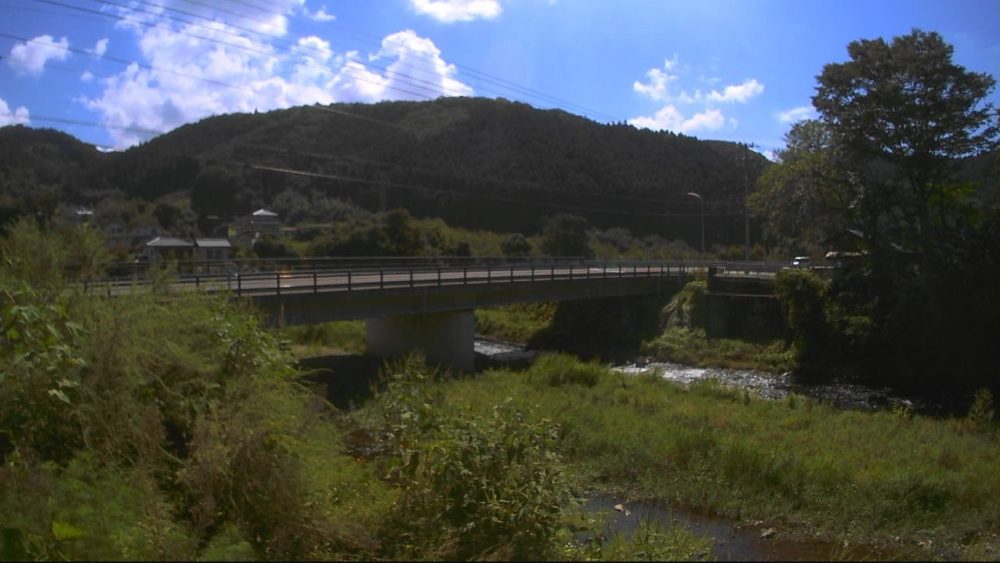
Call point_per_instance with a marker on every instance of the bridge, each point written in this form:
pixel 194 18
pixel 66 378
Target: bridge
pixel 426 303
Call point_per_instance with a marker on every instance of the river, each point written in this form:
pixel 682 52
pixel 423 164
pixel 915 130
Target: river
pixel 762 384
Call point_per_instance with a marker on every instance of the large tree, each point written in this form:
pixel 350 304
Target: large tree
pixel 887 159
pixel 802 199
pixel 904 115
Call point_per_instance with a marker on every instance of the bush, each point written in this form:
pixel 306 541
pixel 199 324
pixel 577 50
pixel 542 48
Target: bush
pixel 802 294
pixel 687 309
pixel 491 487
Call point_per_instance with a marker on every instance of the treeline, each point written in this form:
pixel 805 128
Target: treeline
pixel 476 163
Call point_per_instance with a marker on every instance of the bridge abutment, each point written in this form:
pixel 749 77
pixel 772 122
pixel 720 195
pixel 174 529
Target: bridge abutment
pixel 446 338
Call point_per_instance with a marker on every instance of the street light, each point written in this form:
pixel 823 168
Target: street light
pixel 702 206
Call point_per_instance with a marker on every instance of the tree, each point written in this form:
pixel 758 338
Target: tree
pixel 902 120
pixel 904 114
pixel 803 199
pixel 566 235
pixel 515 245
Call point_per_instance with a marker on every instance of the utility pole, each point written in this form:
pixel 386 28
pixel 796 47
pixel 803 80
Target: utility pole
pixel 702 208
pixel 746 208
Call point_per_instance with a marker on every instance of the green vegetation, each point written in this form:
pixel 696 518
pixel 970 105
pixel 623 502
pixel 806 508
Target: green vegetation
pixel 170 427
pixel 887 479
pixel 900 166
pixel 337 337
pixel 514 323
pixel 692 347
pixel 683 339
pixel 160 426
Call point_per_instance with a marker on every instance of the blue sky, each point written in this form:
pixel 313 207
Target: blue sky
pixel 117 72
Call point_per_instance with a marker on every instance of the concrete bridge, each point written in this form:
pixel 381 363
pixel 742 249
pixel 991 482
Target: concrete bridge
pixel 428 303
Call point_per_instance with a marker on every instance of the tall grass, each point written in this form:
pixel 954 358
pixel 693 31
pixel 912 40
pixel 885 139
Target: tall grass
pixel 514 323
pixel 691 346
pixel 798 465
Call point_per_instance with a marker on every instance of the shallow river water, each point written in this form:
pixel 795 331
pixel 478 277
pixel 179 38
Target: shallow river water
pixel 763 384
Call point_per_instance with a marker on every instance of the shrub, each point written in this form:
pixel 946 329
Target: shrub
pixel 802 294
pixel 651 541
pixel 490 487
pixel 687 309
pixel 981 411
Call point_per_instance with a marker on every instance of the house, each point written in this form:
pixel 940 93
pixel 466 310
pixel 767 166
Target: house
pixel 176 248
pixel 259 223
pixel 212 248
pixel 167 248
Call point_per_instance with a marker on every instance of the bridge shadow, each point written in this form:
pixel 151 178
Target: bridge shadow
pixel 348 381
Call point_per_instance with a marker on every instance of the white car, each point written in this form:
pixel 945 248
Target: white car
pixel 800 262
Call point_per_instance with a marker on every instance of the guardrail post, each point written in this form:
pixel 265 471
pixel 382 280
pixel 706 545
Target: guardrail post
pixel 349 280
pixel 489 274
pixel 465 275
pixel 439 276
pixel 381 278
pixel 197 282
pixel 411 276
pixel 315 290
pixel 571 272
pixel 239 285
pixel 512 274
pixel 277 282
pixel 532 272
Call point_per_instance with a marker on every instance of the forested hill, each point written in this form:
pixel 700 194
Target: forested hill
pixel 475 162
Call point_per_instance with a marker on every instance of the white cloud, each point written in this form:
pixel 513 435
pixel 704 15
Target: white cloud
pixel 796 114
pixel 450 11
pixel 319 15
pixel 267 18
pixel 662 85
pixel 669 118
pixel 418 70
pixel 738 93
pixel 30 57
pixel 87 76
pixel 659 81
pixel 185 77
pixel 101 47
pixel 18 116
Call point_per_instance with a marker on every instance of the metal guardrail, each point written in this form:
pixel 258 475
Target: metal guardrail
pixel 379 273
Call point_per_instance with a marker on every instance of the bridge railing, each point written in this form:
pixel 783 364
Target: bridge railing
pixel 338 275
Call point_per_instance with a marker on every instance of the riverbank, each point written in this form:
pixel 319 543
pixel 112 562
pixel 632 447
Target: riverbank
pixel 783 472
pixel 905 486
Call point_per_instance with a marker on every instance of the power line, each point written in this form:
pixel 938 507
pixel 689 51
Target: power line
pixel 466 178
pixel 218 41
pixel 397 185
pixel 397 77
pixel 434 87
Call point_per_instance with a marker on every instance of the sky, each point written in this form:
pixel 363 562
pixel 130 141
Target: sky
pixel 118 72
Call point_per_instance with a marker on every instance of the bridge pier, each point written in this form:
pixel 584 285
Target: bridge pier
pixel 446 338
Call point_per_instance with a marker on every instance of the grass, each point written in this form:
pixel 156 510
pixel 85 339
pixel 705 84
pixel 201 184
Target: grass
pixel 692 347
pixel 325 339
pixel 886 479
pixel 514 323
